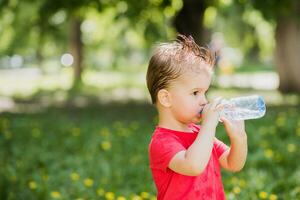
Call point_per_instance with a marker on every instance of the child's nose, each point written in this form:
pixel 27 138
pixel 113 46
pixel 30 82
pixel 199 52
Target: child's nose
pixel 203 101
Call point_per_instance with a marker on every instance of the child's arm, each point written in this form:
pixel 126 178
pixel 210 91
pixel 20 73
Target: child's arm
pixel 193 161
pixel 234 158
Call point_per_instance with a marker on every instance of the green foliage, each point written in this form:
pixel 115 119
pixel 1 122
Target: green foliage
pixel 120 33
pixel 276 9
pixel 121 30
pixel 100 152
pixel 250 32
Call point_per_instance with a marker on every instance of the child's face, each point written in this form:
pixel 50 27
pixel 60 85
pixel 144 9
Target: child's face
pixel 188 96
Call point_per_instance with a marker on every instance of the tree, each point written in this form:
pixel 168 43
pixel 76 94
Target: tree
pixel 286 15
pixel 38 28
pixel 75 11
pixel 189 20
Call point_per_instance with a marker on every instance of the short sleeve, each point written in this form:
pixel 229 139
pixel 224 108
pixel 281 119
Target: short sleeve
pixel 162 149
pixel 219 147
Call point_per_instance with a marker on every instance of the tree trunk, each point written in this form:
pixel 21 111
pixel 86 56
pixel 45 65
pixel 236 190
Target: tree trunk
pixel 287 57
pixel 189 20
pixel 76 49
pixel 39 49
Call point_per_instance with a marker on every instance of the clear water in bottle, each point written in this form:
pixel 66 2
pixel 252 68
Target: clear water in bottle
pixel 243 108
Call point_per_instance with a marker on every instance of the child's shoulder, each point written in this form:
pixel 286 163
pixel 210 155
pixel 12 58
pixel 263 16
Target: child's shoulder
pixel 161 133
pixel 164 142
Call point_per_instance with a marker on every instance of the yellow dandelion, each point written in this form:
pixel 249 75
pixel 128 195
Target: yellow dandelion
pixel 242 183
pixel 123 132
pixel 269 153
pixel 153 198
pixel 280 121
pixel 136 197
pixel 106 145
pixel 55 195
pixel 234 180
pixel 273 197
pixel 236 190
pixel 104 132
pixel 109 195
pixel 5 123
pixel 74 176
pixel 291 148
pixel 121 198
pixel 263 195
pixel 100 192
pixel 88 182
pixel 45 177
pixel 32 185
pixel 75 131
pixel 145 195
pixel 13 178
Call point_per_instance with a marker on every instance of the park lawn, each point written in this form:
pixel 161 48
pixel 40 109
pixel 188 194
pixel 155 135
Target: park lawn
pixel 100 152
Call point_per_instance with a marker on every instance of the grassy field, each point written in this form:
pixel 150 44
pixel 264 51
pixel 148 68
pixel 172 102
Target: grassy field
pixel 93 144
pixel 100 152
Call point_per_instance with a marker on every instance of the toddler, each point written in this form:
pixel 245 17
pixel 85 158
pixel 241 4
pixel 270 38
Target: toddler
pixel 185 158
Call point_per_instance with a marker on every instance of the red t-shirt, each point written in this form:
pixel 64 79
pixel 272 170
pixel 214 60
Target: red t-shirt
pixel 165 143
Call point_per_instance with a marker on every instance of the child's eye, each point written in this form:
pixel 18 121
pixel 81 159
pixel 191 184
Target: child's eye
pixel 195 93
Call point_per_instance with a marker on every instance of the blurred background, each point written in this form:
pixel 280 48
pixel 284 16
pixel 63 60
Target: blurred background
pixel 75 114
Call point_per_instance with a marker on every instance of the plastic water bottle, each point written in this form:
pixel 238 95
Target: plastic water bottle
pixel 243 108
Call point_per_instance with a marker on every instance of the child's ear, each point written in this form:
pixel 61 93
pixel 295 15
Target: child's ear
pixel 164 98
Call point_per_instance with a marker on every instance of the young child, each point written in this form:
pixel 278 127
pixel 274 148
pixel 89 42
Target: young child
pixel 185 158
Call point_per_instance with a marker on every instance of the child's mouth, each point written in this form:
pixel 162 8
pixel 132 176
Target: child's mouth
pixel 199 115
pixel 201 110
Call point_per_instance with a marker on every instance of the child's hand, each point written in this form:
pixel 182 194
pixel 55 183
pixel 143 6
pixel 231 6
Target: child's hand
pixel 211 112
pixel 234 129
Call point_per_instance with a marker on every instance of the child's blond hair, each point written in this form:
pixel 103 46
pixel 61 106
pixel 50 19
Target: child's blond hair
pixel 170 60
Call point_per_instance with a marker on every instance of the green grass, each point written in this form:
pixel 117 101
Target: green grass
pixel 100 152
pixel 106 144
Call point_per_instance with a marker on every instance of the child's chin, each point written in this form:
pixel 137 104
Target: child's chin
pixel 198 119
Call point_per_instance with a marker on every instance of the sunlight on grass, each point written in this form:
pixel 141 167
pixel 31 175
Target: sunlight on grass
pixel 25 82
pixel 114 85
